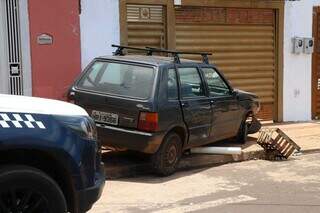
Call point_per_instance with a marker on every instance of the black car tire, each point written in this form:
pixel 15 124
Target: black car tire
pixel 243 131
pixel 26 189
pixel 166 159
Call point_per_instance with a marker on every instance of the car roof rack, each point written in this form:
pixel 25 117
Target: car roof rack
pixel 205 58
pixel 120 49
pixel 151 50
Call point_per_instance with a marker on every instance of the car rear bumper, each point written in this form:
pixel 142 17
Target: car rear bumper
pixel 87 197
pixel 129 139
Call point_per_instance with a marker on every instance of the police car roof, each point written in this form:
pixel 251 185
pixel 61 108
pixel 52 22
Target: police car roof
pixel 32 105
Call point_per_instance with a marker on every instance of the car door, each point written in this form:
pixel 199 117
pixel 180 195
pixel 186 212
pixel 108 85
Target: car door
pixel 226 110
pixel 195 104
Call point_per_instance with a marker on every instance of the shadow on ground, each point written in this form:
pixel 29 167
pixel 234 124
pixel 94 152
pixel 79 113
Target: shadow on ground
pixel 133 164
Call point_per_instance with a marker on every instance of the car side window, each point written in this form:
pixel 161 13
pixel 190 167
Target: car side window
pixel 191 83
pixel 172 85
pixel 216 85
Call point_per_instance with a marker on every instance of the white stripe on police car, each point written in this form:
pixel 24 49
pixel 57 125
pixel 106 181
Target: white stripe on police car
pixel 18 121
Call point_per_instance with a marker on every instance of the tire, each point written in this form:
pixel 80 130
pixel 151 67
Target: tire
pixel 243 131
pixel 166 159
pixel 26 189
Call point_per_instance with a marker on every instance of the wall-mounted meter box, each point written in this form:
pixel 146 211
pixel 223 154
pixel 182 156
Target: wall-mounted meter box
pixel 297 45
pixel 308 45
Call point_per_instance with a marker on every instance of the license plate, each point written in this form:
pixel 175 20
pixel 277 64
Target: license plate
pixel 105 117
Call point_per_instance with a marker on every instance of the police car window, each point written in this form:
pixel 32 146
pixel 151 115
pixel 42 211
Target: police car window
pixel 119 79
pixel 191 84
pixel 217 86
pixel 172 85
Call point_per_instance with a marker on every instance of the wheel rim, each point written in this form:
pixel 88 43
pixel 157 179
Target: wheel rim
pixel 172 154
pixel 23 200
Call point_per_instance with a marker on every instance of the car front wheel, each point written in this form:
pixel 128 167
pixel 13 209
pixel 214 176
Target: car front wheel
pixel 243 130
pixel 25 189
pixel 166 159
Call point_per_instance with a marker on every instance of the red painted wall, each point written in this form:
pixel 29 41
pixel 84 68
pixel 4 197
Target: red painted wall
pixel 54 67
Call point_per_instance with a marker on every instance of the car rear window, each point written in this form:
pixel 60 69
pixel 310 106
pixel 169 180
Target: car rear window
pixel 119 79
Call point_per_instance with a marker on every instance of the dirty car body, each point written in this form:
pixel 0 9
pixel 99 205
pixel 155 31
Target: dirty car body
pixel 163 105
pixel 137 100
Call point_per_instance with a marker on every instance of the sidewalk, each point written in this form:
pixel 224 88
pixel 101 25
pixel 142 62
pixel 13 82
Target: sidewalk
pixel 125 164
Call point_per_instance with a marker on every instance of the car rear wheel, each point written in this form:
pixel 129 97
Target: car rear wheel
pixel 25 189
pixel 166 159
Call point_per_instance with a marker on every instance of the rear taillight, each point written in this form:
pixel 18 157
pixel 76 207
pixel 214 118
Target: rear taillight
pixel 148 121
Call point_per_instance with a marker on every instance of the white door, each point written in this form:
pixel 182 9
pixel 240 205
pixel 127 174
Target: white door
pixel 10 40
pixel 4 76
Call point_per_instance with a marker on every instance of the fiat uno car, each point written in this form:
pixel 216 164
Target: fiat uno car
pixel 49 157
pixel 162 105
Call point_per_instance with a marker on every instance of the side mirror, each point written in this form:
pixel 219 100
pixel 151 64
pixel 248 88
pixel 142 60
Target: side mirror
pixel 234 93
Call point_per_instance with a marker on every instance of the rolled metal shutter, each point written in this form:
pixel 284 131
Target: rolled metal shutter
pixel 146 26
pixel 242 42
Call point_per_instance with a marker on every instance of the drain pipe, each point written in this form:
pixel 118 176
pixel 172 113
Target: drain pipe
pixel 217 150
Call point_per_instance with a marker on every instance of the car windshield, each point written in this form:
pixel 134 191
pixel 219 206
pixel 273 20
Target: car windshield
pixel 119 79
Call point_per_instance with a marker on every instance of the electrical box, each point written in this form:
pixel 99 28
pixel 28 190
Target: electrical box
pixel 298 45
pixel 308 45
pixel 177 2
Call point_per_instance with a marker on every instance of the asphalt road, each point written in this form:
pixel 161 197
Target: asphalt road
pixel 254 186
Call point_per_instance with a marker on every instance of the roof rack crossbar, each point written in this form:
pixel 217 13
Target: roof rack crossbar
pixel 151 50
pixel 205 58
pixel 120 49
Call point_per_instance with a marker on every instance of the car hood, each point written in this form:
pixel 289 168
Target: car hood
pixel 24 104
pixel 246 95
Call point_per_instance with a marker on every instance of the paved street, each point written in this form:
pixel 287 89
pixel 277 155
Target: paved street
pixel 253 186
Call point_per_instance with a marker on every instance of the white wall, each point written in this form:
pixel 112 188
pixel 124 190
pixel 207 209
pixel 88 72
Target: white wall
pixel 25 47
pixel 297 68
pixel 99 22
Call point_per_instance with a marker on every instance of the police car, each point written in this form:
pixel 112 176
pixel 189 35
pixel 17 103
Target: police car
pixel 49 156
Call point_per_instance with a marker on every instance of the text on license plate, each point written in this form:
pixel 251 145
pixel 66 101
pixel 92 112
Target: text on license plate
pixel 105 117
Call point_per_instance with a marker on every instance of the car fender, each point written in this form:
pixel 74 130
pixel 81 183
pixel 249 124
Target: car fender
pixel 182 126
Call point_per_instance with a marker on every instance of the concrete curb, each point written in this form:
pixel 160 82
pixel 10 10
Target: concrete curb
pixel 310 151
pixel 199 160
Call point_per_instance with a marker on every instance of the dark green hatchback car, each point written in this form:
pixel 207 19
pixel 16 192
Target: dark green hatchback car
pixel 163 105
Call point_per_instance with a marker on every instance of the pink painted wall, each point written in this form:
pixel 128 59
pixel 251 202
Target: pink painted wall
pixel 54 67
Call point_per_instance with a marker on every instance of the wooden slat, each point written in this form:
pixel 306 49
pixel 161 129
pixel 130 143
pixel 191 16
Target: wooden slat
pixel 282 146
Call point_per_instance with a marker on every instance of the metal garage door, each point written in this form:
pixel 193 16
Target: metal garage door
pixel 146 25
pixel 242 42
